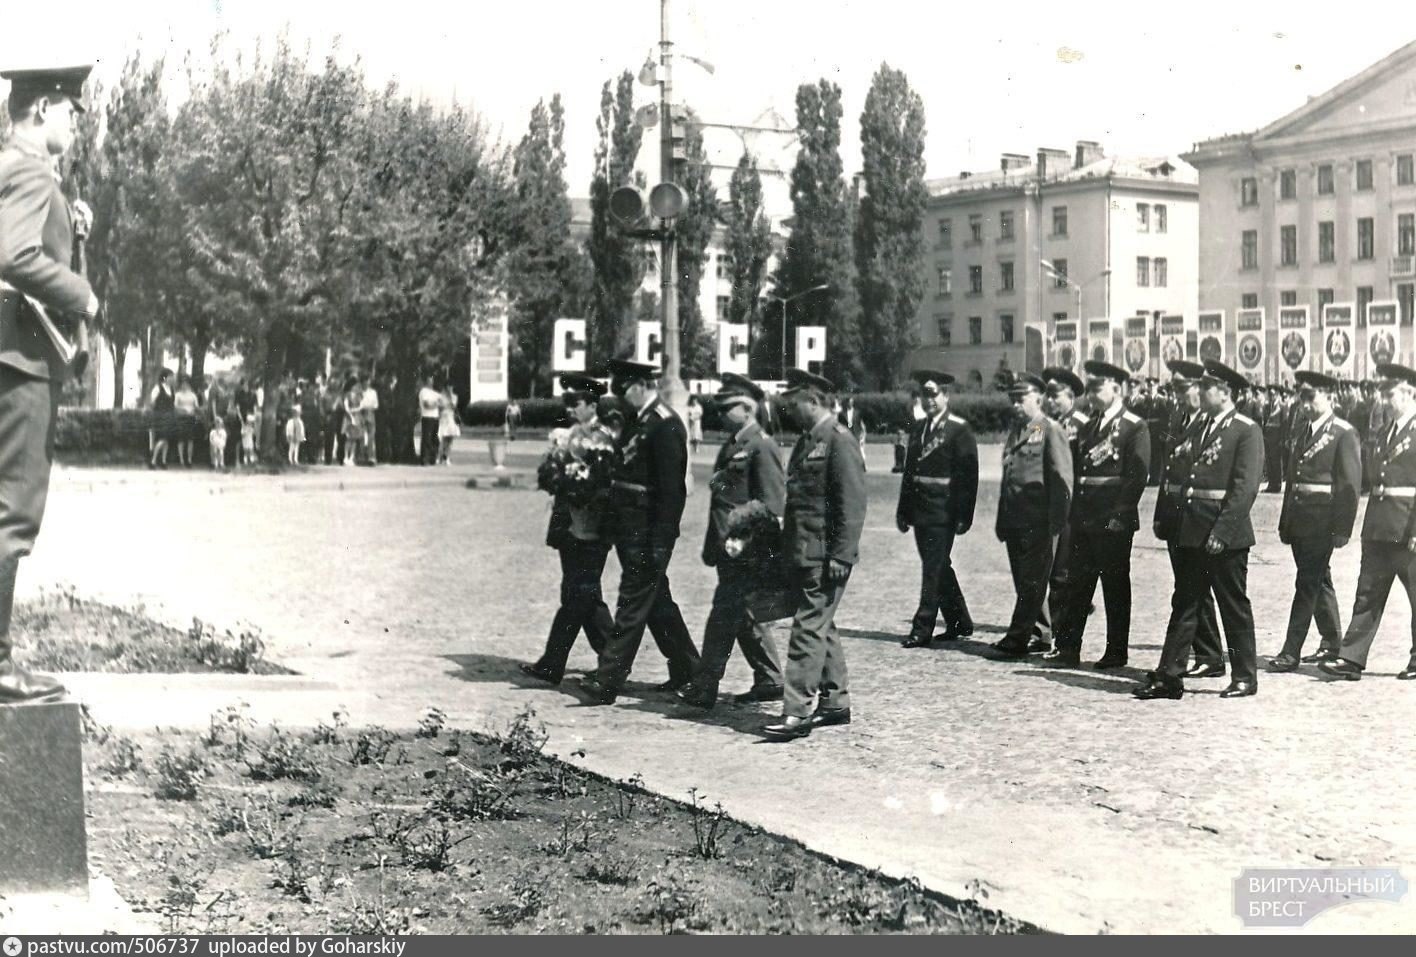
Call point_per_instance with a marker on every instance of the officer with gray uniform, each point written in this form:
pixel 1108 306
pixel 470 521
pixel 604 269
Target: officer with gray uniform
pixel 1065 394
pixel 825 514
pixel 37 230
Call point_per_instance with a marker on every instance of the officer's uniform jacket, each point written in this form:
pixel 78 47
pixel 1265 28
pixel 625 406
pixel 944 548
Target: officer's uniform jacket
pixel 649 490
pixel 1391 507
pixel 1112 466
pixel 581 523
pixel 1214 492
pixel 825 509
pixel 748 469
pixel 36 249
pixel 1324 479
pixel 939 486
pixel 1036 491
pixel 1072 425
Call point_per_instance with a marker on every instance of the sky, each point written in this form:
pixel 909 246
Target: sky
pixel 1143 79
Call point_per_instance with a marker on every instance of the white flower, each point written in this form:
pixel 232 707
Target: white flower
pixel 734 547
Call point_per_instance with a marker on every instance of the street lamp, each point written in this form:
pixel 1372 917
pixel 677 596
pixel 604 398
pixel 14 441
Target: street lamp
pixel 784 302
pixel 1051 269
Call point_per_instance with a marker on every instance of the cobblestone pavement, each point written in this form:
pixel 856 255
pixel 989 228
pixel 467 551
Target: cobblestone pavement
pixel 1071 804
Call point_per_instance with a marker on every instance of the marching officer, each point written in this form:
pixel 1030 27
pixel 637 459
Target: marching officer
pixel 1275 432
pixel 1112 459
pixel 1033 501
pixel 1388 530
pixel 577 533
pixel 1208 523
pixel 1319 509
pixel 647 498
pixel 937 495
pixel 748 469
pixel 1065 395
pixel 825 514
pixel 37 228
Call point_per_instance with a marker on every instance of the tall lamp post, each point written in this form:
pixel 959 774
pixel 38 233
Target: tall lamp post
pixel 785 302
pixel 1052 270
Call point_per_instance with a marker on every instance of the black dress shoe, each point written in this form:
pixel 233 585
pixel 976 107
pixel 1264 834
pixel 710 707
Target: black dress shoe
pixel 1039 646
pixel 1240 689
pixel 956 632
pixel 673 685
pixel 1201 670
pixel 1003 649
pixel 1158 688
pixel 1063 658
pixel 540 673
pixel 596 691
pixel 917 641
pixel 1408 673
pixel 788 729
pixel 1341 668
pixel 825 718
pixel 1319 656
pixel 1283 663
pixel 1110 660
pixel 704 698
pixel 759 693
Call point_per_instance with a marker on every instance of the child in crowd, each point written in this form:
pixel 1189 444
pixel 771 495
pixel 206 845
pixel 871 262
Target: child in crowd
pixel 294 435
pixel 248 440
pixel 217 438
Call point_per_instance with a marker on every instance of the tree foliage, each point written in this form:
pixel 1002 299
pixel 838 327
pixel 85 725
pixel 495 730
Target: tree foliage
pixel 748 244
pixel 619 262
pixel 695 227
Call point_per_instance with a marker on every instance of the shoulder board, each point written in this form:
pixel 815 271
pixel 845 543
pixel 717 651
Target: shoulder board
pixel 1081 418
pixel 1340 423
pixel 956 420
pixel 841 429
pixel 1243 419
pixel 663 411
pixel 1130 416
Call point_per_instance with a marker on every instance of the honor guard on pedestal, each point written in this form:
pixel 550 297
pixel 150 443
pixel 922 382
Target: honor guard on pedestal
pixel 1112 466
pixel 647 498
pixel 38 291
pixel 1207 520
pixel 1065 393
pixel 821 538
pixel 748 469
pixel 1033 500
pixel 1319 509
pixel 1388 530
pixel 937 495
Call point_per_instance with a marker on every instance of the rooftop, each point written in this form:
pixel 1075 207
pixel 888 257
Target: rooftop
pixel 1167 169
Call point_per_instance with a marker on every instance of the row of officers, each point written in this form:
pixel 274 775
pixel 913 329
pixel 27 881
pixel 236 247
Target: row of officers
pixel 1075 466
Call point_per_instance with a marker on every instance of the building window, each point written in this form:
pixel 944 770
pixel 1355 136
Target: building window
pixel 1405 175
pixel 1005 327
pixel 1288 245
pixel 1250 300
pixel 724 304
pixel 1365 238
pixel 1406 301
pixel 725 266
pixel 1005 225
pixel 1162 272
pixel 975 280
pixel 1325 298
pixel 946 232
pixel 1248 191
pixel 1143 271
pixel 1364 174
pixel 1327 251
pixel 946 281
pixel 1059 220
pixel 1160 218
pixel 1059 317
pixel 1059 279
pixel 1006 276
pixel 1249 248
pixel 1325 179
pixel 1288 297
pixel 976 228
pixel 975 330
pixel 1364 299
pixel 1288 184
pixel 1143 217
pixel 946 329
pixel 1406 234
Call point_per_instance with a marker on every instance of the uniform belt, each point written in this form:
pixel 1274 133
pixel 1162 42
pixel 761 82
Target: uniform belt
pixel 1394 491
pixel 1172 489
pixel 1101 480
pixel 931 480
pixel 629 486
pixel 1213 494
pixel 1311 487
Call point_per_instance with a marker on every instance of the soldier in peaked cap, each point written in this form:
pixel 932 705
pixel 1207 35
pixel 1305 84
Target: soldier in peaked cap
pixel 1212 534
pixel 1112 466
pixel 1388 530
pixel 577 532
pixel 825 514
pixel 938 491
pixel 1033 501
pixel 1319 509
pixel 748 469
pixel 647 498
pixel 37 229
pixel 1066 392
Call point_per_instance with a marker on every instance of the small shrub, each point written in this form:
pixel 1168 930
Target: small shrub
pixel 619 871
pixel 432 723
pixel 424 841
pixel 576 834
pixel 282 757
pixel 671 905
pixel 525 899
pixel 370 916
pixel 332 732
pixel 523 741
pixel 122 757
pixel 178 775
pixel 709 826
pixel 322 793
pixel 627 795
pixel 371 746
pixel 225 652
pixel 229 725
pixel 467 794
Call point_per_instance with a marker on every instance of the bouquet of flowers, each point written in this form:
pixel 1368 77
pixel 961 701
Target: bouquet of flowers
pixel 577 467
pixel 754 536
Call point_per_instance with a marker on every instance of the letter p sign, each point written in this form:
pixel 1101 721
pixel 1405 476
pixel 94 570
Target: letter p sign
pixel 810 347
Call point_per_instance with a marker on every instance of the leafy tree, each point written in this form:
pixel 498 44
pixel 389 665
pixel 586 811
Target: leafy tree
pixel 889 241
pixel 748 244
pixel 619 263
pixel 694 227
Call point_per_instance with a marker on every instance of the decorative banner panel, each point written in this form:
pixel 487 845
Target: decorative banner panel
pixel 1293 337
pixel 568 346
pixel 649 343
pixel 810 347
pixel 1172 338
pixel 732 348
pixel 1135 345
pixel 1339 339
pixel 1099 340
pixel 1066 347
pixel 488 380
pixel 1209 344
pixel 1383 334
pixel 1035 347
pixel 1249 343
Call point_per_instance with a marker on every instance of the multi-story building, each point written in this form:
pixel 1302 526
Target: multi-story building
pixel 1058 237
pixel 1317 208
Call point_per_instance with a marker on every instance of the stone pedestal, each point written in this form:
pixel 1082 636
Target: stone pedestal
pixel 43 841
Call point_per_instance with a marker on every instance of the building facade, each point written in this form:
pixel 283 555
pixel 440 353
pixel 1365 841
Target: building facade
pixel 1316 209
pixel 1052 238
